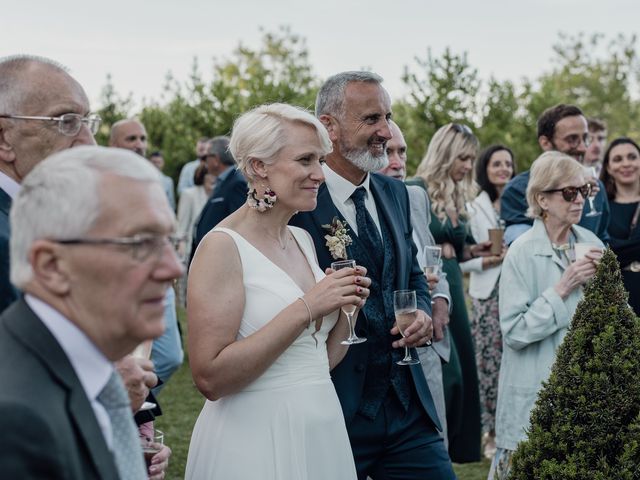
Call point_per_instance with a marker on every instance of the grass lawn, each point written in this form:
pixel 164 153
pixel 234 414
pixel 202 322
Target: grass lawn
pixel 181 404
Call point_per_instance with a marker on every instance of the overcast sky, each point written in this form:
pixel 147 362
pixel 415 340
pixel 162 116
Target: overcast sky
pixel 139 42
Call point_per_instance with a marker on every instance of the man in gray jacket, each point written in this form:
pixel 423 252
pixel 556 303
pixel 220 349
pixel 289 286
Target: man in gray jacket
pixel 433 357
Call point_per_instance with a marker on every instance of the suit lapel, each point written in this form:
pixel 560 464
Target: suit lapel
pixel 323 214
pixel 29 330
pixel 387 204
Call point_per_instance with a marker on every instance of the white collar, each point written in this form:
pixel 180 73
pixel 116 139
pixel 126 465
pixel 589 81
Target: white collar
pixel 9 185
pixel 91 366
pixel 340 188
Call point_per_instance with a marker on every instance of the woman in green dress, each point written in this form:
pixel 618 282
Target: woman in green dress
pixel 446 172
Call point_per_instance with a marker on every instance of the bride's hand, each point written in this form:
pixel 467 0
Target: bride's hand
pixel 343 287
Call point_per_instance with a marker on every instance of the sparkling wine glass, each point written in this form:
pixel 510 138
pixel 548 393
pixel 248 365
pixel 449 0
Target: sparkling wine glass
pixel 405 308
pixel 590 172
pixel 348 310
pixel 431 257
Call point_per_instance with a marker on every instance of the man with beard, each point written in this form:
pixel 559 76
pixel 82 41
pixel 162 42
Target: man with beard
pixel 562 128
pixel 389 412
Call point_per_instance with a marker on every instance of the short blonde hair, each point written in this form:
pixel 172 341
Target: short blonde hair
pixel 448 143
pixel 548 172
pixel 259 134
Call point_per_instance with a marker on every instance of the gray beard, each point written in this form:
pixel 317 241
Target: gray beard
pixel 364 160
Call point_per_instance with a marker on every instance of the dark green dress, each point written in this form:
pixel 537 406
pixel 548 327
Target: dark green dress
pixel 460 374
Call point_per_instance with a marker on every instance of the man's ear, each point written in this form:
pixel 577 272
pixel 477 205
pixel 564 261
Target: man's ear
pixel 7 153
pixel 49 267
pixel 545 143
pixel 331 125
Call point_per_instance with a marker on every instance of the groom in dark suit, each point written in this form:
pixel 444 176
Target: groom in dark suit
pixel 390 416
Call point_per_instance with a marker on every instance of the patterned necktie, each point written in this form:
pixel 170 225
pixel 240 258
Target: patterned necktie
pixel 367 231
pixel 126 444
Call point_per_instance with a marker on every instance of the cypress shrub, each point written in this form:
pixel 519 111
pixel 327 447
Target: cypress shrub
pixel 586 421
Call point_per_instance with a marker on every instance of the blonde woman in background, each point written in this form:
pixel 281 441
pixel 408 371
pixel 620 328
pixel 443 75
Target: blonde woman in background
pixel 446 173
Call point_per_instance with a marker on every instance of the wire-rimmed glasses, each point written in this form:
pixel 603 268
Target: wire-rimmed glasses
pixel 69 124
pixel 142 246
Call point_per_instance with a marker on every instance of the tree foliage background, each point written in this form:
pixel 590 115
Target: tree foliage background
pixel 600 75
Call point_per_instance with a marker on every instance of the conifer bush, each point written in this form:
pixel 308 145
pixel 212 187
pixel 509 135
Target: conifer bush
pixel 586 421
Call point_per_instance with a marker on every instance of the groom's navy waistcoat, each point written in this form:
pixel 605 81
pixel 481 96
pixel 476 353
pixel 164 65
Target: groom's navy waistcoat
pixel 351 377
pixel 382 371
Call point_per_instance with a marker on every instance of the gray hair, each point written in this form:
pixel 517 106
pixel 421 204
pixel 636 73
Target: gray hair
pixel 259 134
pixel 14 83
pixel 330 99
pixel 60 199
pixel 549 171
pixel 219 146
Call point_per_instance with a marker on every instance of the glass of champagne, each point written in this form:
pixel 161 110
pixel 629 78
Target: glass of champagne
pixel 591 173
pixel 348 310
pixel 151 445
pixel 431 260
pixel 405 308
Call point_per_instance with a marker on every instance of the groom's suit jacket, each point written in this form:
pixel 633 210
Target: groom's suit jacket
pixel 393 201
pixel 49 429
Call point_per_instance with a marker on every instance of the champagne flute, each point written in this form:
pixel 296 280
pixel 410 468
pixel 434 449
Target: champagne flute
pixel 405 308
pixel 348 310
pixel 431 256
pixel 593 211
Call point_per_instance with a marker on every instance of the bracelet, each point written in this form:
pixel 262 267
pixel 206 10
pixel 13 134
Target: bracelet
pixel 308 310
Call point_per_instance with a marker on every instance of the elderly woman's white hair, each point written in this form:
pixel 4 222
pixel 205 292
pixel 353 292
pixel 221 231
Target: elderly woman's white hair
pixel 259 134
pixel 60 198
pixel 549 171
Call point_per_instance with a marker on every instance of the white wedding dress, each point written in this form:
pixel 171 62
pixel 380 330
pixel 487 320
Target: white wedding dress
pixel 287 424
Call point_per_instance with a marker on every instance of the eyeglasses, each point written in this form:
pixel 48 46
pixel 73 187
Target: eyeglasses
pixel 570 193
pixel 69 124
pixel 574 140
pixel 142 246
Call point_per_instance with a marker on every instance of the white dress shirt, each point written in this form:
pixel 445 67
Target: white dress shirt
pixel 91 366
pixel 341 190
pixel 9 185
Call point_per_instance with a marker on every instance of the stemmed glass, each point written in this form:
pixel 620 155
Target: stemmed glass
pixel 348 310
pixel 405 307
pixel 431 257
pixel 593 211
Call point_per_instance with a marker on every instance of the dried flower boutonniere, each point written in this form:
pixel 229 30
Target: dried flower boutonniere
pixel 338 239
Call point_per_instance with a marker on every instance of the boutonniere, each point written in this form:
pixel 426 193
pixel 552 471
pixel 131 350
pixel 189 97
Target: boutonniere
pixel 337 239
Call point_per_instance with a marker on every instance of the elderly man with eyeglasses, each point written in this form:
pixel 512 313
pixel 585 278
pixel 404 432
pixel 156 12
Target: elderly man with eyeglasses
pixel 562 128
pixel 94 284
pixel 43 110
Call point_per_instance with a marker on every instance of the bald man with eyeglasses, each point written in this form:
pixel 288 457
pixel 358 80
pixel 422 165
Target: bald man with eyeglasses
pixel 42 110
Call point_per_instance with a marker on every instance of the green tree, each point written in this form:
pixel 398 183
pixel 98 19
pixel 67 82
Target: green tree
pixel 277 71
pixel 113 108
pixel 586 421
pixel 442 90
pixel 597 75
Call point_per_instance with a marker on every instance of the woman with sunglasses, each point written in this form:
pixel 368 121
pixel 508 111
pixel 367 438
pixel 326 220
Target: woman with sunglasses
pixel 446 172
pixel 540 287
pixel 621 177
pixel 494 168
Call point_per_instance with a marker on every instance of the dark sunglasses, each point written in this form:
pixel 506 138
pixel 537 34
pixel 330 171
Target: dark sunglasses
pixel 570 193
pixel 460 128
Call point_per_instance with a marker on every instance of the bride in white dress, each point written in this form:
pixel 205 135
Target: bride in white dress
pixel 264 321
